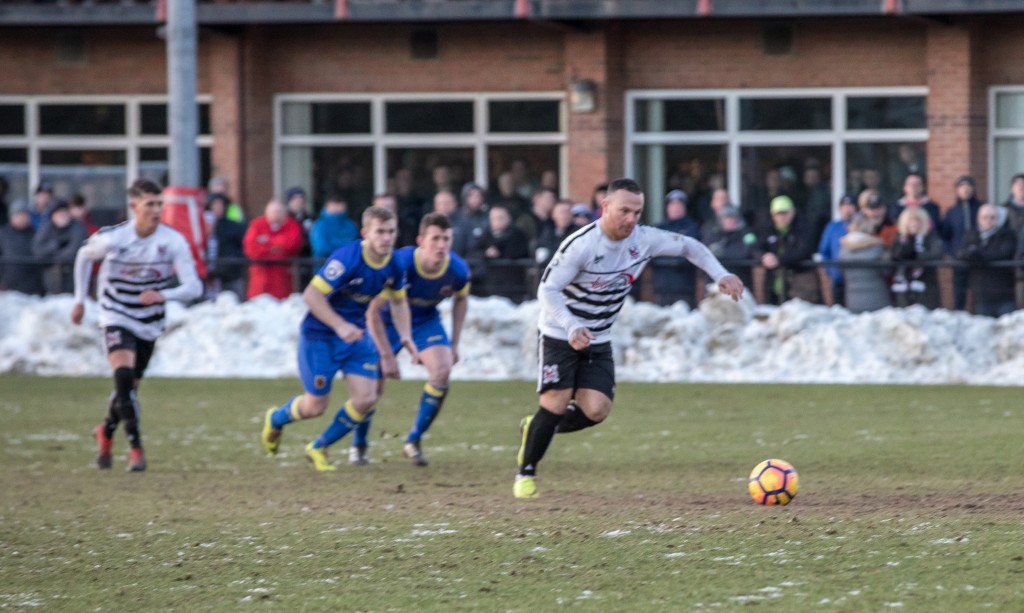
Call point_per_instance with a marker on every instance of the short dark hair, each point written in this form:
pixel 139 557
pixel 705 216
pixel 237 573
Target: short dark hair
pixel 143 187
pixel 625 183
pixel 1019 175
pixel 439 220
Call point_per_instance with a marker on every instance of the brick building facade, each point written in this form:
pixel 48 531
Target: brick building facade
pixel 256 72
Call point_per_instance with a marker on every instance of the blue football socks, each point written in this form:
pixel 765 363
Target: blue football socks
pixel 361 435
pixel 286 414
pixel 344 422
pixel 430 406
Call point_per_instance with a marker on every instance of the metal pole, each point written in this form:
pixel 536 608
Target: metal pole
pixel 182 110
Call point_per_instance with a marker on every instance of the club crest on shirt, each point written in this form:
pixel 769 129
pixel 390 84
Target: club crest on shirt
pixel 549 373
pixel 334 270
pixel 445 291
pixel 161 250
pixel 634 252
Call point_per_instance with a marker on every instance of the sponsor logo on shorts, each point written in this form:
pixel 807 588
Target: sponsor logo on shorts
pixel 113 338
pixel 549 373
pixel 319 382
pixel 370 367
pixel 334 270
pixel 436 337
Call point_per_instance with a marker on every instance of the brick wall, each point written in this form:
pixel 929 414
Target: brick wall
pixel 243 68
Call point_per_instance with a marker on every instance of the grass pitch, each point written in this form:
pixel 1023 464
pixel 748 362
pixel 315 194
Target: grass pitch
pixel 911 497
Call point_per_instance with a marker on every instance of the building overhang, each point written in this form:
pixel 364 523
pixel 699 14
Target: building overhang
pixel 116 12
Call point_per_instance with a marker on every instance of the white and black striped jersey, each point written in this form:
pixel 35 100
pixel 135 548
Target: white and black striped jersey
pixel 587 281
pixel 131 265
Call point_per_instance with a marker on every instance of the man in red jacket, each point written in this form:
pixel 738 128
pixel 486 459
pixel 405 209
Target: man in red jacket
pixel 274 236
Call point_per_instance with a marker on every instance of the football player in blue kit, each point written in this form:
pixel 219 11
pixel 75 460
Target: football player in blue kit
pixel 333 336
pixel 433 273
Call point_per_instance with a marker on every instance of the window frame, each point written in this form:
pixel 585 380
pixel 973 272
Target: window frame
pixel 130 142
pixel 999 193
pixel 381 141
pixel 735 139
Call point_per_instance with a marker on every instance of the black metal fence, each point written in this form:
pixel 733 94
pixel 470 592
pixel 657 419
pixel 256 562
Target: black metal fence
pixel 513 279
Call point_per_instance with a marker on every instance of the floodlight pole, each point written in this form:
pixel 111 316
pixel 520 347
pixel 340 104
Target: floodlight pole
pixel 182 110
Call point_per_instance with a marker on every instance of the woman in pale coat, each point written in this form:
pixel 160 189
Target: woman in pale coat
pixel 866 287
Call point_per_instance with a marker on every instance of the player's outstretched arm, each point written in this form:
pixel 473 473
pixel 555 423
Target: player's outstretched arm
pixel 378 332
pixel 460 305
pixel 318 305
pixel 93 249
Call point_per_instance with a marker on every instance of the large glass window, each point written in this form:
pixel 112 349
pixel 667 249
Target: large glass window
pixel 12 119
pixel 696 169
pixel 785 113
pixel 812 144
pixel 680 115
pixel 325 118
pixel 82 119
pixel 89 145
pixel 412 147
pixel 1007 139
pixel 14 169
pixel 885 112
pixel 328 171
pixel 428 117
pixel 523 116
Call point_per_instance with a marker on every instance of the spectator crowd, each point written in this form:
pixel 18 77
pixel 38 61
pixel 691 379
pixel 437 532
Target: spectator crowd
pixel 879 250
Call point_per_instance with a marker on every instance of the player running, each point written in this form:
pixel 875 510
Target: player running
pixel 333 336
pixel 140 258
pixel 432 274
pixel 581 292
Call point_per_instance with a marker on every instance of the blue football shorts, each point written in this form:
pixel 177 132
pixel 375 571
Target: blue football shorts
pixel 320 358
pixel 426 334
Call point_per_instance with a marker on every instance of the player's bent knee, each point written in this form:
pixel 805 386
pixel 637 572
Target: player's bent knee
pixel 313 406
pixel 439 378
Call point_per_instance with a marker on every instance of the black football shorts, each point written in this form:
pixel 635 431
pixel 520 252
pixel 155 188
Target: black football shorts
pixel 116 337
pixel 562 367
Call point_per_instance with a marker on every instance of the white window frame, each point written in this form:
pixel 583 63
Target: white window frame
pixel 995 133
pixel 478 140
pixel 130 141
pixel 735 139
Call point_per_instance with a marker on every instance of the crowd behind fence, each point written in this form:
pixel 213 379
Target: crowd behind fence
pixel 528 272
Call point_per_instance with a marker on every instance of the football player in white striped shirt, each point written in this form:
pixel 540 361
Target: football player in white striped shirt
pixel 140 259
pixel 581 292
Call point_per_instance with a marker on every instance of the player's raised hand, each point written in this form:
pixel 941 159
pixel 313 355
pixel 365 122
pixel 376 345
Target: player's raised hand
pixel 731 286
pixel 77 312
pixel 349 333
pixel 580 338
pixel 151 296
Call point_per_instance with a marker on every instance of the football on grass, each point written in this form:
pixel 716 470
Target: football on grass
pixel 773 482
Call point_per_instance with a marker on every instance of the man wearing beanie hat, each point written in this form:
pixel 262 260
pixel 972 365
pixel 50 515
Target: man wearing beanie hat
pixel 675 278
pixel 783 249
pixel 56 242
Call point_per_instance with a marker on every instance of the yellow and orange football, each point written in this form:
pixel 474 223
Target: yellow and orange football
pixel 773 482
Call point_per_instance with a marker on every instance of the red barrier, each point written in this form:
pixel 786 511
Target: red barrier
pixel 183 211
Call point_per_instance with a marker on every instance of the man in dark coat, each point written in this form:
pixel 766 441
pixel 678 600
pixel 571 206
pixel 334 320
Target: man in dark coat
pixel 783 249
pixel 675 279
pixel 16 243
